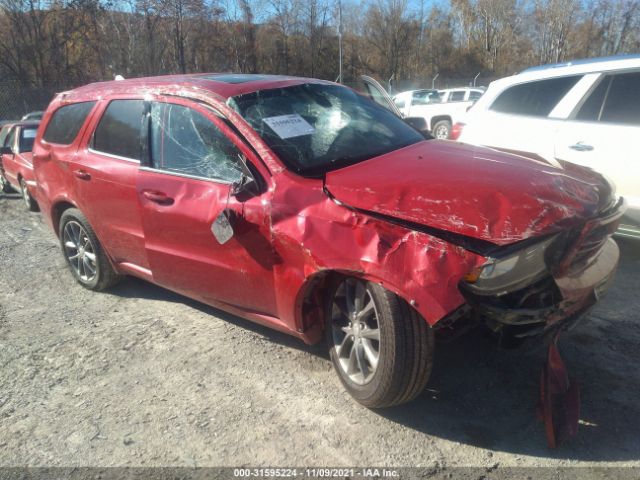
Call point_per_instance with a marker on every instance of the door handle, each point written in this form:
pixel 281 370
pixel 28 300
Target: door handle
pixel 157 197
pixel 581 147
pixel 82 175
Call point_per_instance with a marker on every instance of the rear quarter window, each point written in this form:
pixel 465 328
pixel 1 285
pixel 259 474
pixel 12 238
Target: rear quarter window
pixel 66 122
pixel 537 98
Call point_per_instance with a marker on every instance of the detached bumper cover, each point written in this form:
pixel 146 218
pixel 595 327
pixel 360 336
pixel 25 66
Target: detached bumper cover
pixel 583 275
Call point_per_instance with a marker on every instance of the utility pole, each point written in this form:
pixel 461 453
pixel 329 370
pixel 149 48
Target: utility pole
pixel 339 41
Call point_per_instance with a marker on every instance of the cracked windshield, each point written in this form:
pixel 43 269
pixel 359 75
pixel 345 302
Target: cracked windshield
pixel 315 128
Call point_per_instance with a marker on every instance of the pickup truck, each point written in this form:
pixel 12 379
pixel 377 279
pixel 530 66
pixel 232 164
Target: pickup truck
pixel 440 108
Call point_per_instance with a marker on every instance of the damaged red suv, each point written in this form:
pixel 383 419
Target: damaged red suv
pixel 307 207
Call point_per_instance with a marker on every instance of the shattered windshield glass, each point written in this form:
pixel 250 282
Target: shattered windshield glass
pixel 315 128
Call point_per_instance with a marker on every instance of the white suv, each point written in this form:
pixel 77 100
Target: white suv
pixel 586 112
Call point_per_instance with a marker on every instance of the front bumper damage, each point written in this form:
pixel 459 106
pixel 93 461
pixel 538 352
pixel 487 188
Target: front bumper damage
pixel 551 304
pixel 580 271
pixel 581 274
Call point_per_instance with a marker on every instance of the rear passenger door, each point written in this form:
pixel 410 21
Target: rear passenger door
pixel 184 187
pixel 105 180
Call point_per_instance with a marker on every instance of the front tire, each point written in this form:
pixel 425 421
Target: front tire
pixel 29 201
pixel 84 255
pixel 380 347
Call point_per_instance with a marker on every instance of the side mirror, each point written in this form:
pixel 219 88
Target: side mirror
pixel 247 183
pixel 6 151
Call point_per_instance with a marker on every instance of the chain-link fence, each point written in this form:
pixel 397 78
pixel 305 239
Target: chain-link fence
pixel 17 99
pixel 438 83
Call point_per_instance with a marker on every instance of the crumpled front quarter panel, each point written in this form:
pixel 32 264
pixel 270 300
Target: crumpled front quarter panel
pixel 311 234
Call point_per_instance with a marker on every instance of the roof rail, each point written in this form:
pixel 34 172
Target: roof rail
pixel 584 61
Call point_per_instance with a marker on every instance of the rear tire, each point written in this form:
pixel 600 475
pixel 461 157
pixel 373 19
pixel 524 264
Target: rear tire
pixel 381 348
pixel 29 201
pixel 442 129
pixel 83 252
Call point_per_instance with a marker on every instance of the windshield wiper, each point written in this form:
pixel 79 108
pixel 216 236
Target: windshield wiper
pixel 333 164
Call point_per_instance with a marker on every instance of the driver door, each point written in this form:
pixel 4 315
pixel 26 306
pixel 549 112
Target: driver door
pixel 183 189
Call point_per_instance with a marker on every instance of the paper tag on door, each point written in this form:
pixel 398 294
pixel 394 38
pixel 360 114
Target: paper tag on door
pixel 289 126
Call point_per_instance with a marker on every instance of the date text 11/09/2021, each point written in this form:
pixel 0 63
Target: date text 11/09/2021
pixel 315 472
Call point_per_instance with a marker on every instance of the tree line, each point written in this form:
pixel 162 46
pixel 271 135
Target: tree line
pixel 66 43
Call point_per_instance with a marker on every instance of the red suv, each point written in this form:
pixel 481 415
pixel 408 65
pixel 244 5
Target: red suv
pixel 307 207
pixel 16 166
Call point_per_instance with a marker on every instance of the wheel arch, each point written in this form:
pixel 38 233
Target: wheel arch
pixel 309 303
pixel 57 209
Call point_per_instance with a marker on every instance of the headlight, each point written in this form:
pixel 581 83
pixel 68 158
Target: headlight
pixel 506 274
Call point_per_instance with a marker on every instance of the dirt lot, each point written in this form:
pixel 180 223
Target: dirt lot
pixel 142 376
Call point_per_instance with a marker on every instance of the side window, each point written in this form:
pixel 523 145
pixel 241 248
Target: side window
pixel 419 98
pixel 185 141
pixel 399 102
pixel 120 129
pixel 27 136
pixel 10 141
pixel 473 96
pixel 590 110
pixel 622 103
pixel 534 98
pixel 66 122
pixel 425 97
pixel 457 96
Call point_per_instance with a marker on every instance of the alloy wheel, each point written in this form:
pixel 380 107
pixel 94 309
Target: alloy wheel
pixel 79 251
pixel 25 194
pixel 442 132
pixel 355 331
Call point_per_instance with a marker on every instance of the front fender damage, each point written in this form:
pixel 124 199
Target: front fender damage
pixel 314 236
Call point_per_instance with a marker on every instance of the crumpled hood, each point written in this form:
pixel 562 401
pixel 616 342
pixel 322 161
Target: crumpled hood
pixel 472 191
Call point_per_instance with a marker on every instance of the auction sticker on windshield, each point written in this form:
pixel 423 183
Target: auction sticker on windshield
pixel 289 126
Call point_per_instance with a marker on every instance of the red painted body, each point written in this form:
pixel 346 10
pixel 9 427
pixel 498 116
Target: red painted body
pixel 158 227
pixel 19 165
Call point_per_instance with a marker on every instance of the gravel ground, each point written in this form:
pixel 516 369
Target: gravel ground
pixel 140 376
